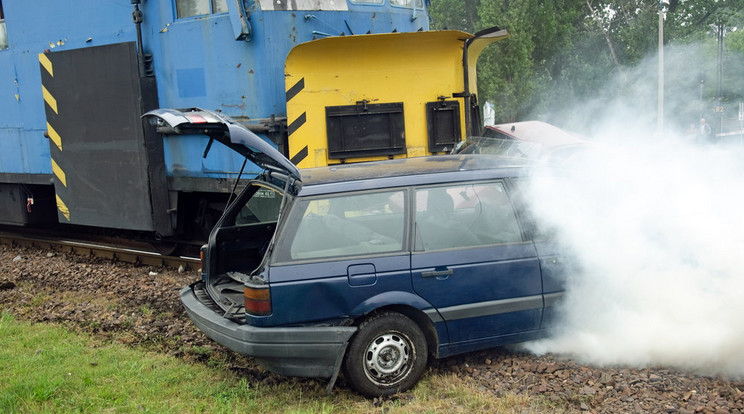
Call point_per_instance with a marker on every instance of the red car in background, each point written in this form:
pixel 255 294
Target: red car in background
pixel 535 140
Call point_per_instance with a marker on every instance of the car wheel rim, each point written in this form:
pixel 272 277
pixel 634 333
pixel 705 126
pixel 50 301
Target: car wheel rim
pixel 386 358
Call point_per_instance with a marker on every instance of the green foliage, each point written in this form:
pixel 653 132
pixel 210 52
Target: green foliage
pixel 454 15
pixel 516 72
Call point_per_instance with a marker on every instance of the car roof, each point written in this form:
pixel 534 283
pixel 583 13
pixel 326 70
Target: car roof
pixel 408 171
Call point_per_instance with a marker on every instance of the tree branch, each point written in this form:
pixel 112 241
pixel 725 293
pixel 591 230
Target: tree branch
pixel 606 36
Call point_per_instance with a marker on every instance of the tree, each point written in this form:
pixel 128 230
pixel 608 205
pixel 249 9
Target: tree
pixel 581 51
pixel 517 72
pixel 455 15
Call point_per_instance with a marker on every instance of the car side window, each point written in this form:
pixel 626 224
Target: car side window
pixel 464 215
pixel 536 229
pixel 355 224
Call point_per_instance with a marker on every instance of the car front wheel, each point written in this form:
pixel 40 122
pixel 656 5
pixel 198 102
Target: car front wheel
pixel 387 355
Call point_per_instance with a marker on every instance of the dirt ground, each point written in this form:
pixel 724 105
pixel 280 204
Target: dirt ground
pixel 139 305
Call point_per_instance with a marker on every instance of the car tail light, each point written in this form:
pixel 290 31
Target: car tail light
pixel 257 300
pixel 202 258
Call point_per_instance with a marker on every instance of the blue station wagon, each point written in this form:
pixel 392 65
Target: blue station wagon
pixel 369 269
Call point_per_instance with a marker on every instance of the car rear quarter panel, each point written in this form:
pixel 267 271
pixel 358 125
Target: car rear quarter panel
pixel 322 292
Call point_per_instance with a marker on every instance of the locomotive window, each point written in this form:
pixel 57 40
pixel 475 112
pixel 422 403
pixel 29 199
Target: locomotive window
pixel 219 6
pixel 190 8
pixel 367 1
pixel 3 33
pixel 408 3
pixel 365 130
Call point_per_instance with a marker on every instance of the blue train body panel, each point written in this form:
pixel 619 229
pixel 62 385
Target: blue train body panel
pixel 33 27
pixel 231 59
pixel 197 62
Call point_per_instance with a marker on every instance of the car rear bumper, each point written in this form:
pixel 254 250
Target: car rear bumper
pixel 292 351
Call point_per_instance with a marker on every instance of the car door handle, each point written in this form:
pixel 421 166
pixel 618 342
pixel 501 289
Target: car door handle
pixel 443 274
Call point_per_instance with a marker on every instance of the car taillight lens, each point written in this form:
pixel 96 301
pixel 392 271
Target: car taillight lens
pixel 257 300
pixel 202 258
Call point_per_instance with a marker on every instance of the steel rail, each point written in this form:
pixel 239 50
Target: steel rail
pixel 114 253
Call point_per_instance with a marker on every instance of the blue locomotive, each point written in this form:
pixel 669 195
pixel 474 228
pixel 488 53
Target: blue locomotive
pixel 77 77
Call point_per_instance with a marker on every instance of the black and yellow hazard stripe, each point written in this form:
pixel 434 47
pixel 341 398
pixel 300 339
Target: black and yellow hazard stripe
pixel 296 123
pixel 47 70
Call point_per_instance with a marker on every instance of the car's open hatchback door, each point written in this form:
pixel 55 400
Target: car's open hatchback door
pixel 241 240
pixel 223 129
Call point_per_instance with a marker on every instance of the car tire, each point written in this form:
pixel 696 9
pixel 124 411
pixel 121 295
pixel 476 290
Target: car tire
pixel 387 355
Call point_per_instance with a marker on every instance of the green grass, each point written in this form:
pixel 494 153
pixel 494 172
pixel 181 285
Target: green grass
pixel 48 369
pixel 45 368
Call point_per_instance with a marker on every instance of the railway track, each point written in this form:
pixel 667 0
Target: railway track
pixel 126 254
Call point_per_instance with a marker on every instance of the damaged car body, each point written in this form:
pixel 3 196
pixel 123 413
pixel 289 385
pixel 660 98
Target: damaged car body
pixel 368 269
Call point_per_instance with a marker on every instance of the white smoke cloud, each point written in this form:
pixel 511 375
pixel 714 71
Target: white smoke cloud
pixel 657 224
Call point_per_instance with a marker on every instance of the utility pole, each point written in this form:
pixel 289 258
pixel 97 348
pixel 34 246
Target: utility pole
pixel 719 81
pixel 700 103
pixel 720 27
pixel 660 105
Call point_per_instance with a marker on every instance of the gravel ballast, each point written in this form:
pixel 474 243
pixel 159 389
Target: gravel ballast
pixel 139 305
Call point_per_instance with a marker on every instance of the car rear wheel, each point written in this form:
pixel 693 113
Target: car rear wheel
pixel 387 355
